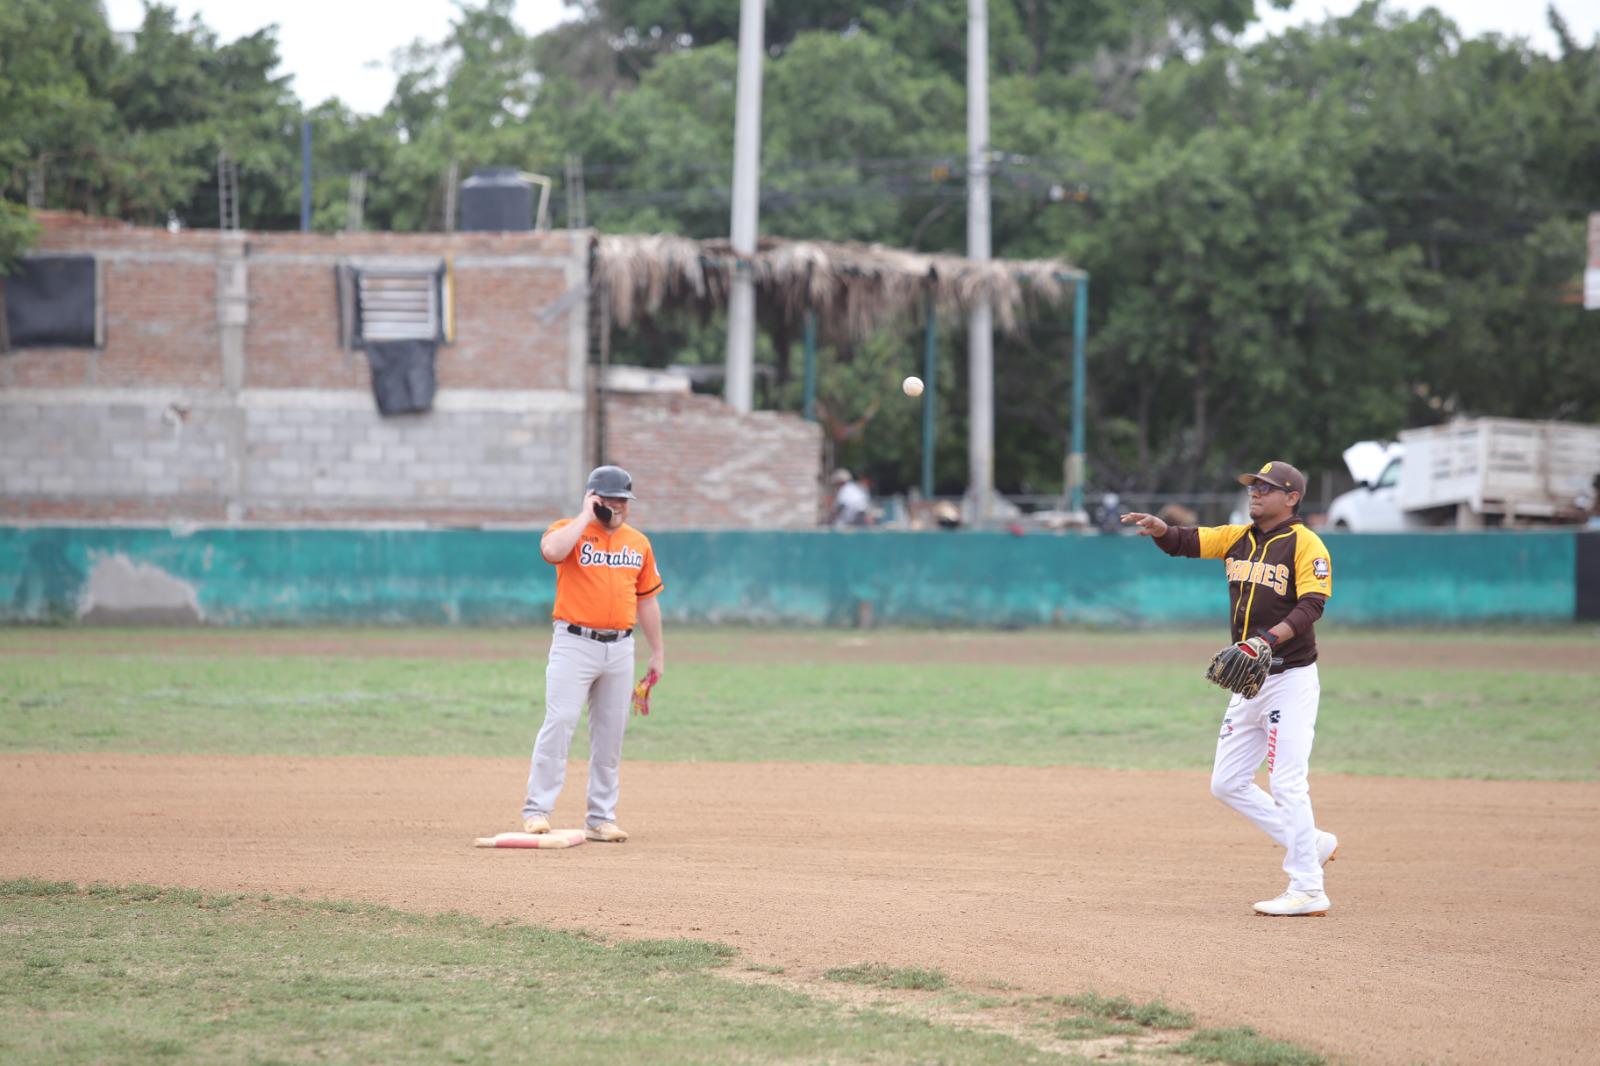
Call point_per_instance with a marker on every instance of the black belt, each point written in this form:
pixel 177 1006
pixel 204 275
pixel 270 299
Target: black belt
pixel 604 636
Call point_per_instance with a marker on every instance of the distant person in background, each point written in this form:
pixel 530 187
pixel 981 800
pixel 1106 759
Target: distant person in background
pixel 1110 513
pixel 1176 514
pixel 852 501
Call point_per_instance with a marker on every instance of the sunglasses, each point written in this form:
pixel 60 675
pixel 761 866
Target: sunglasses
pixel 1258 489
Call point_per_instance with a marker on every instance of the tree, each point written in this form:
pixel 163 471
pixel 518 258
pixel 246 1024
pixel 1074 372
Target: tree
pixel 54 56
pixel 182 99
pixel 469 100
pixel 134 131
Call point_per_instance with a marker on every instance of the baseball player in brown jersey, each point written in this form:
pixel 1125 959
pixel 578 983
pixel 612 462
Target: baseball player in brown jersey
pixel 1279 580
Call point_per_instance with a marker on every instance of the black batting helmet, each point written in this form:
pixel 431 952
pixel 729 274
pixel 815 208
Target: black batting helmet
pixel 611 481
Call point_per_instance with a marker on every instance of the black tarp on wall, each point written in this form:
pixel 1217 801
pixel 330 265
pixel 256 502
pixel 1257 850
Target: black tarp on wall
pixel 50 301
pixel 402 375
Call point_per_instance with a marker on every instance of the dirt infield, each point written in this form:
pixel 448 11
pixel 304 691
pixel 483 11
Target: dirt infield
pixel 1463 927
pixel 1566 650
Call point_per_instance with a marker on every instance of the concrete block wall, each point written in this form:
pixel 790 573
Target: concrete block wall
pixel 109 455
pixel 300 457
pixel 465 462
pixel 697 465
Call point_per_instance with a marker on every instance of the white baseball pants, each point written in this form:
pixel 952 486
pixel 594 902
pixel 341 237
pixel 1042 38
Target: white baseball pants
pixel 1278 725
pixel 582 669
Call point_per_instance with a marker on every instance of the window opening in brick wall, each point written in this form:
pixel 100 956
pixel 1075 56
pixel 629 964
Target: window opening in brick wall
pixel 53 301
pixel 398 307
pixel 391 302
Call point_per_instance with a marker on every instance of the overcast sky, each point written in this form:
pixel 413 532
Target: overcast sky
pixel 342 47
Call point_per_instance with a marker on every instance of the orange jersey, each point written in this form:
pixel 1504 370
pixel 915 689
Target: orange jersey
pixel 601 581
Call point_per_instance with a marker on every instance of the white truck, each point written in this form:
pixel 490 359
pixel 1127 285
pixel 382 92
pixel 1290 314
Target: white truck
pixel 1471 474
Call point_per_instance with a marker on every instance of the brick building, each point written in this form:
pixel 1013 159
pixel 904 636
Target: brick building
pixel 227 382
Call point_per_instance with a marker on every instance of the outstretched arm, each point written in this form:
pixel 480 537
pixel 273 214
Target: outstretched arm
pixel 1191 542
pixel 1149 525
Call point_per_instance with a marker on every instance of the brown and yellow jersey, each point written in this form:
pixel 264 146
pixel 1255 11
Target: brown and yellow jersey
pixel 1272 574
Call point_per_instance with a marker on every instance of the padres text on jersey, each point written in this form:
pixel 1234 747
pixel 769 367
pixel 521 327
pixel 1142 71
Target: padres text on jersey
pixel 1268 572
pixel 601 581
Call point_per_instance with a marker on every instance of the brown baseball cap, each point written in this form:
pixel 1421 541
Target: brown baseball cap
pixel 1280 475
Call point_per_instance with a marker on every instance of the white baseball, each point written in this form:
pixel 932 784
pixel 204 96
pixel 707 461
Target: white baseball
pixel 911 386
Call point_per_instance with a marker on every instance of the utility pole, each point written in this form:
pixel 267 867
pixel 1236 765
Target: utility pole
pixel 36 184
pixel 980 326
pixel 577 210
pixel 739 390
pixel 227 192
pixel 305 176
pixel 355 206
pixel 452 181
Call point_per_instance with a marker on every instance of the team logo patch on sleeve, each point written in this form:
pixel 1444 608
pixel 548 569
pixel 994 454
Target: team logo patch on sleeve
pixel 1320 568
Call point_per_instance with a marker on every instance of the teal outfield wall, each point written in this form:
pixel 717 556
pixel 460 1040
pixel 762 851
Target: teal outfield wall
pixel 253 576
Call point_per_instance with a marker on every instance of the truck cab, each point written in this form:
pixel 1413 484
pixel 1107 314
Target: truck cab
pixel 1474 473
pixel 1373 506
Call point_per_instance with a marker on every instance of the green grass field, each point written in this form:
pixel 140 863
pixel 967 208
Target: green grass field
pixel 139 974
pixel 717 705
pixel 130 974
pixel 136 975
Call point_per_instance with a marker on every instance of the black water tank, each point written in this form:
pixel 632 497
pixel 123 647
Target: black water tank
pixel 496 198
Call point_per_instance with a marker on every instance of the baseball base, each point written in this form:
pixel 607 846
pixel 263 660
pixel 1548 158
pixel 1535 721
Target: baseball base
pixel 556 838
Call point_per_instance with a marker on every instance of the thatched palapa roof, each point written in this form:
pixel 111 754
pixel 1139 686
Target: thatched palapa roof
pixel 853 288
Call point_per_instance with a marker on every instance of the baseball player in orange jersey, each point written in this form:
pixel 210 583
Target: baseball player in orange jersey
pixel 606 582
pixel 1279 580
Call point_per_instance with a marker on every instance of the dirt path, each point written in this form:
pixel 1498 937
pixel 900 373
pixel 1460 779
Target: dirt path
pixel 1572 650
pixel 1463 927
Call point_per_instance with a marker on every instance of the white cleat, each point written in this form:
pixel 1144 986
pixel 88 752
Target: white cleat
pixel 1294 904
pixel 1327 847
pixel 536 824
pixel 606 833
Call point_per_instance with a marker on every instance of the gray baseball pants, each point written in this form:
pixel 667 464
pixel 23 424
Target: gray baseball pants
pixel 582 669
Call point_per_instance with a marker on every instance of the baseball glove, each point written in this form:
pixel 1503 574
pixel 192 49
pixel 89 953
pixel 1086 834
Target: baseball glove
pixel 1242 667
pixel 641 692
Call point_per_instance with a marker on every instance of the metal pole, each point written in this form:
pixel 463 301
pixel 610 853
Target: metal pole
pixel 305 177
pixel 355 207
pixel 739 389
pixel 600 379
pixel 452 182
pixel 930 362
pixel 811 364
pixel 36 185
pixel 1080 330
pixel 980 331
